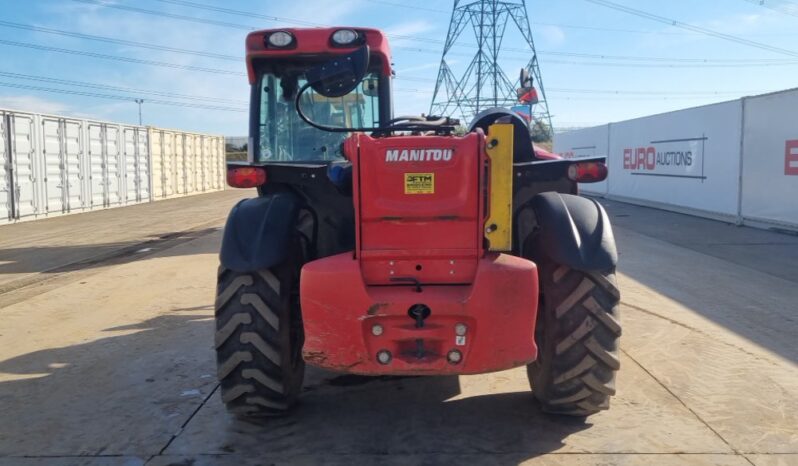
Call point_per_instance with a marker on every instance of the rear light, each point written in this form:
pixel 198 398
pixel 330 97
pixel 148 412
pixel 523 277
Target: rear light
pixel 280 40
pixel 587 172
pixel 246 177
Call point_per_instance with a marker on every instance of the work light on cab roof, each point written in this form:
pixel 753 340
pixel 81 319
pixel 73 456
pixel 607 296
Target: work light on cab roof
pixel 280 39
pixel 345 37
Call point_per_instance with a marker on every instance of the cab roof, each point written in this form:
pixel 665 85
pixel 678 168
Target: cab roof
pixel 314 43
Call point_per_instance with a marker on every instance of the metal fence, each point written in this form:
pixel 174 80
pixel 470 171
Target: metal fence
pixel 53 165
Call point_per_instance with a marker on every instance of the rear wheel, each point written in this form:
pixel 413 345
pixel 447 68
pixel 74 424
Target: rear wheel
pixel 259 337
pixel 577 333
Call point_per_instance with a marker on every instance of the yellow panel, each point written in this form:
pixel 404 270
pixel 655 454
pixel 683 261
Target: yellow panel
pixel 499 227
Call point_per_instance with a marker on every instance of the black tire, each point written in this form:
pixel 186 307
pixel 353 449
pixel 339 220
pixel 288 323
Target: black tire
pixel 259 338
pixel 577 333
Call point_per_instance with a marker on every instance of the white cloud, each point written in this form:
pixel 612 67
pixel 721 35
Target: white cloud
pixel 552 35
pixel 320 11
pixel 31 103
pixel 422 67
pixel 410 28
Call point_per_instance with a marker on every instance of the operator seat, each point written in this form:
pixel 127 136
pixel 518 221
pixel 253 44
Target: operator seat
pixel 522 141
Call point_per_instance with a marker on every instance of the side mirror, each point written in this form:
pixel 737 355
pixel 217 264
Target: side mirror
pixel 525 79
pixel 341 75
pixel 527 94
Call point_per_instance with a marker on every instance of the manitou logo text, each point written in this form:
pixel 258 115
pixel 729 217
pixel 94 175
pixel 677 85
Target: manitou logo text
pixel 418 155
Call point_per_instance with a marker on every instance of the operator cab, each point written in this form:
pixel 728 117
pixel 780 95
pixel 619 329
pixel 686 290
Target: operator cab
pixel 278 62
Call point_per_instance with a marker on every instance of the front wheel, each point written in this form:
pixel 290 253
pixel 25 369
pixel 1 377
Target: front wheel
pixel 577 333
pixel 259 337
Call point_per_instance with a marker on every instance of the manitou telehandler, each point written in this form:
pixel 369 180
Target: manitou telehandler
pixel 391 246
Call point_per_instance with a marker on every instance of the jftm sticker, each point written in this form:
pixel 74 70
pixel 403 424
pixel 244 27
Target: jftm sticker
pixel 419 183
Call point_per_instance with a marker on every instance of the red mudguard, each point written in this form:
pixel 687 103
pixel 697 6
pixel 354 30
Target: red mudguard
pixel 340 314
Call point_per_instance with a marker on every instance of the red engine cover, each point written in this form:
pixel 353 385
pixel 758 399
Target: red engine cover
pixel 417 201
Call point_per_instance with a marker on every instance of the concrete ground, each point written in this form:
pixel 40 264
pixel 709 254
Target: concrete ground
pixel 106 358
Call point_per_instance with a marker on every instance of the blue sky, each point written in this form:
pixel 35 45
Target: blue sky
pixel 580 89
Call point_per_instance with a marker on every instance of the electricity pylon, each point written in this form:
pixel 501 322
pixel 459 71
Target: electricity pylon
pixel 484 84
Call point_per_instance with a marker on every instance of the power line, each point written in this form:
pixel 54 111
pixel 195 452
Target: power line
pixel 667 65
pixel 578 26
pixel 230 11
pixel 119 58
pixel 733 61
pixel 653 93
pixel 792 11
pixel 667 59
pixel 110 40
pixel 690 27
pixel 168 15
pixel 249 14
pixel 241 58
pixel 206 7
pixel 624 92
pixel 117 88
pixel 120 97
pixel 402 5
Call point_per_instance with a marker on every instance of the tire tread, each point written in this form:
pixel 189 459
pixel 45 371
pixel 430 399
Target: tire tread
pixel 578 351
pixel 254 368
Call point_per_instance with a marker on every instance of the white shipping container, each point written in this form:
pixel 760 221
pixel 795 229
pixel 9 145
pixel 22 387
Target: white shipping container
pixel 155 139
pixel 169 164
pixel 218 169
pixel 61 143
pixel 180 161
pixel 208 163
pixel 190 163
pixel 137 165
pixel 52 165
pixel 25 165
pixel 6 187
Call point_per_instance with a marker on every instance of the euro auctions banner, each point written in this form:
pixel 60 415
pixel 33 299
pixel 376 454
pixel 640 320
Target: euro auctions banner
pixel 687 159
pixel 770 159
pixel 737 161
pixel 678 158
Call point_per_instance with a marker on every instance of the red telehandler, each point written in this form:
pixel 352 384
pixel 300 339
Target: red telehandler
pixel 383 245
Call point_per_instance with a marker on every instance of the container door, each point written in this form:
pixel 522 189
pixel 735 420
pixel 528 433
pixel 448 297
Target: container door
pixel 6 171
pixel 204 179
pixel 169 165
pixel 76 196
pixel 143 165
pixel 213 159
pixel 190 158
pixel 156 145
pixel 96 165
pixel 130 149
pixel 180 163
pixel 218 164
pixel 23 156
pixel 114 167
pixel 53 163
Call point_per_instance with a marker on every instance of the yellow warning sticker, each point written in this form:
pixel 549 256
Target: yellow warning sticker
pixel 419 183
